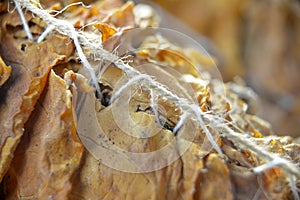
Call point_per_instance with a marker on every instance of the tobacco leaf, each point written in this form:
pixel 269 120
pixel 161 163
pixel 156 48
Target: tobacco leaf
pixel 108 4
pixel 30 63
pixel 247 185
pixel 168 54
pixel 51 161
pixel 215 179
pixel 268 185
pixel 49 151
pixel 122 17
pixel 178 180
pixel 94 179
pixel 3 7
pixel 4 72
pixel 106 30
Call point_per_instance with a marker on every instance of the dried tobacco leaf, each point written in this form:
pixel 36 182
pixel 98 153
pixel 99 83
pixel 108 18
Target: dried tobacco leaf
pixel 31 64
pixel 49 151
pixel 51 161
pixel 94 180
pixel 122 17
pixel 106 30
pixel 215 179
pixel 5 72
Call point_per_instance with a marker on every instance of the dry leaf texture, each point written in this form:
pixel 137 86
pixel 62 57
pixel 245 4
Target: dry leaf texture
pixel 42 156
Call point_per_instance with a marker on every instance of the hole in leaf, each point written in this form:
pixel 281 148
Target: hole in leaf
pixel 106 92
pixel 23 47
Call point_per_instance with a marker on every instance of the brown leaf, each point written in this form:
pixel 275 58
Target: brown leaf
pixel 215 182
pixel 94 180
pixel 49 161
pixel 271 184
pixel 5 72
pixel 79 80
pixel 31 64
pixel 3 7
pixel 123 17
pixel 49 151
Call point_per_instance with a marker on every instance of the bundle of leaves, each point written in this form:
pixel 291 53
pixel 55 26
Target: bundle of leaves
pixel 60 66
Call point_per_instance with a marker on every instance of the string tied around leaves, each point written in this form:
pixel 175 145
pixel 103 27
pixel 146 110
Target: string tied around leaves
pixel 81 41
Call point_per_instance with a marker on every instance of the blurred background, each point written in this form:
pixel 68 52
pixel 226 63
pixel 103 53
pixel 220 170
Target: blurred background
pixel 258 40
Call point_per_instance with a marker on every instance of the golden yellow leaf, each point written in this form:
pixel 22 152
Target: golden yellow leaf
pixel 215 182
pixel 5 72
pixel 106 30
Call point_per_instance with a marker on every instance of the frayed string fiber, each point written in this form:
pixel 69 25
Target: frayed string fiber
pixel 68 6
pixel 131 82
pixel 154 106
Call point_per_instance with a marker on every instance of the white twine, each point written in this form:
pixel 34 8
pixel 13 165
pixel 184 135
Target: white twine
pixel 181 121
pixel 273 158
pixel 131 81
pixel 62 26
pixel 154 106
pixel 199 113
pixel 47 31
pixel 68 6
pixel 293 186
pixel 24 22
pixel 99 53
pixel 276 162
